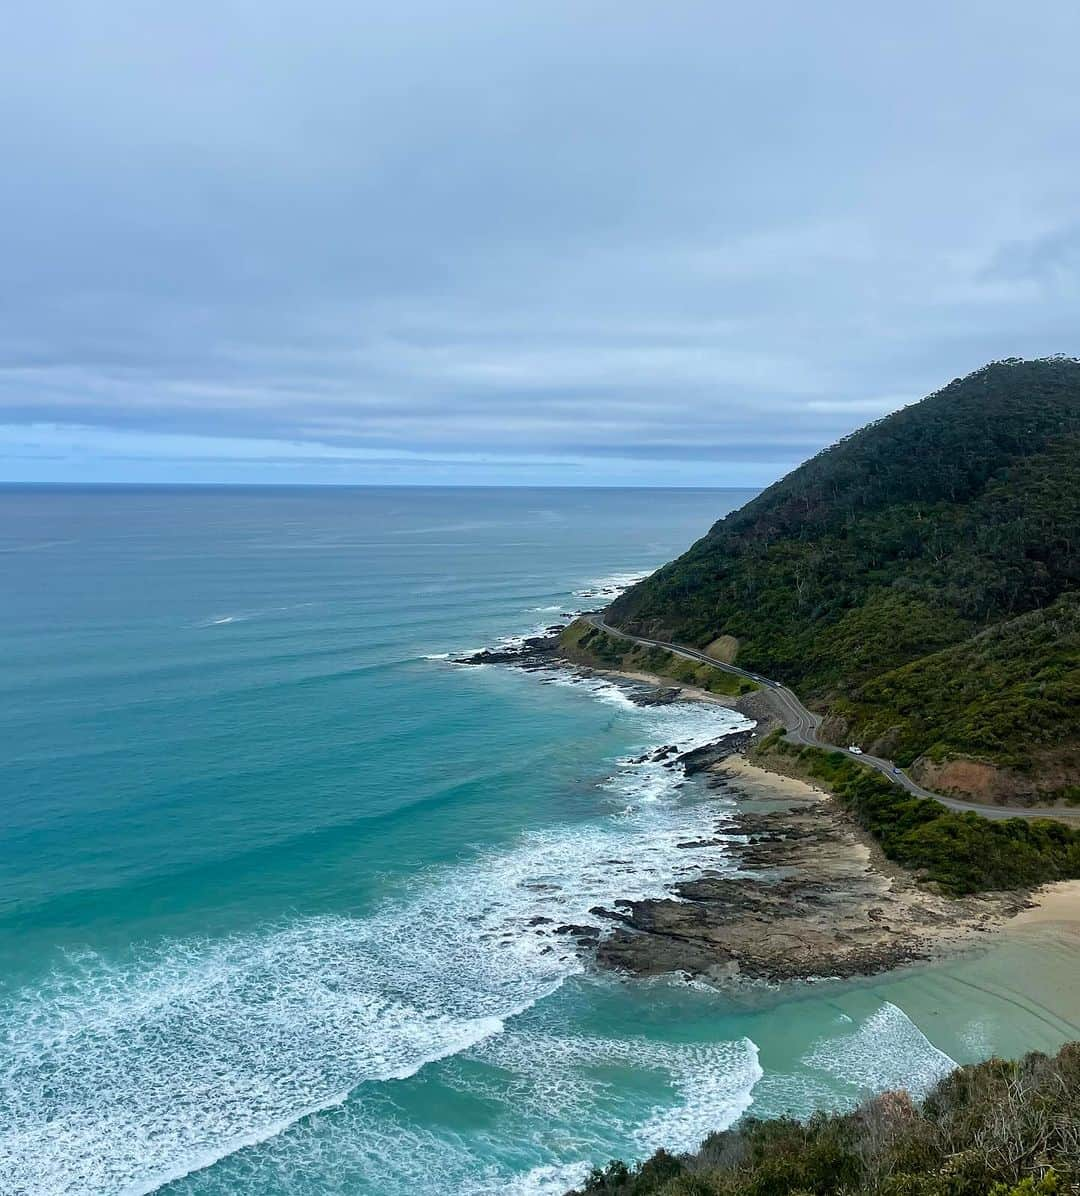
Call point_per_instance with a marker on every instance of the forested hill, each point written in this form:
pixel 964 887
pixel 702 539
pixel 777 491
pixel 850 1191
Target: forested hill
pixel 919 581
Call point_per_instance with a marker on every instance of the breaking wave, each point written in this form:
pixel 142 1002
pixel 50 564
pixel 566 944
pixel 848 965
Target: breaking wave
pixel 120 1075
pixel 887 1051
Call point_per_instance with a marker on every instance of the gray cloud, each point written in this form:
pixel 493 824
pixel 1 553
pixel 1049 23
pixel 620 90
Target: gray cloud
pixel 553 238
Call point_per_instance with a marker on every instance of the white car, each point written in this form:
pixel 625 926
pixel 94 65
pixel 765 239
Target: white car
pixel 855 749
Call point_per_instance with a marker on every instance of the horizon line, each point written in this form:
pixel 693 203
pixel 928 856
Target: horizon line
pixel 348 486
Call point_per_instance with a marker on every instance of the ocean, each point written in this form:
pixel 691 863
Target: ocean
pixel 278 879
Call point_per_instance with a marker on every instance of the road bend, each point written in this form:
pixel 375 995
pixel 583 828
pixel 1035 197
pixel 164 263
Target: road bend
pixel 803 727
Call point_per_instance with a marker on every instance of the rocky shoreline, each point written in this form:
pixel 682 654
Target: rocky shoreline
pixel 543 652
pixel 811 899
pixel 793 890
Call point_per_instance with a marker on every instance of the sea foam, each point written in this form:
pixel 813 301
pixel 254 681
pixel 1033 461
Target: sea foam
pixel 561 1111
pixel 886 1051
pixel 121 1074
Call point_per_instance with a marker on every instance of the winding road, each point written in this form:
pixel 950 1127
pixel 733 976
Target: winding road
pixel 803 727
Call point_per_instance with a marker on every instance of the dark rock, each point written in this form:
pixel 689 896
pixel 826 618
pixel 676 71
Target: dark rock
pixel 700 758
pixel 535 652
pixel 612 915
pixel 581 932
pixel 654 697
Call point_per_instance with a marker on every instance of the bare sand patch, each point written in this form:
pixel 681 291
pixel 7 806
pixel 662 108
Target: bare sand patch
pixel 1058 902
pixel 798 890
pixel 781 786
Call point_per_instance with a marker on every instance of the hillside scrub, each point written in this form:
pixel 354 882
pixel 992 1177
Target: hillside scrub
pixel 961 853
pixel 991 1129
pixel 586 644
pixel 910 538
pixel 1001 696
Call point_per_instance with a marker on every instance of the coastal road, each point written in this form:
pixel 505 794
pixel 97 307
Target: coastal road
pixel 803 727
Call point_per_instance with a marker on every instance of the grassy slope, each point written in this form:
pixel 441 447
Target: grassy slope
pixel 588 645
pixel 901 543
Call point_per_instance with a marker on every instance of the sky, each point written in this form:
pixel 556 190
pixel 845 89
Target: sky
pixel 517 242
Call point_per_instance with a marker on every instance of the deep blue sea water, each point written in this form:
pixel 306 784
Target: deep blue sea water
pixel 270 862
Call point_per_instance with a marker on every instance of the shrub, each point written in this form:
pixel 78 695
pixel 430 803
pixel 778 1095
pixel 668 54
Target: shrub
pixel 962 853
pixel 991 1129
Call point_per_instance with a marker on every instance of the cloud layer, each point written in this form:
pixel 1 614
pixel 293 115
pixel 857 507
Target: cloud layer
pixel 587 242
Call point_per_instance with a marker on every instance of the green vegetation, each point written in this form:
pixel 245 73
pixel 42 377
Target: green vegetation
pixel 960 853
pixel 993 1129
pixel 587 644
pixel 918 580
pixel 1005 694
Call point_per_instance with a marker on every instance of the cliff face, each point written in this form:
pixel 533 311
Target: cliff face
pixel 1054 773
pixel 919 582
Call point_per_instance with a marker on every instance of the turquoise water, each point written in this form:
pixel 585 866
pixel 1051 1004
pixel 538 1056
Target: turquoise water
pixel 270 862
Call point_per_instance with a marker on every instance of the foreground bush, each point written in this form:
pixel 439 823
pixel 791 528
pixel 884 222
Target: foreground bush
pixel 993 1129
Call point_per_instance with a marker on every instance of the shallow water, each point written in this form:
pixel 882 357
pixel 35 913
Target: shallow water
pixel 272 866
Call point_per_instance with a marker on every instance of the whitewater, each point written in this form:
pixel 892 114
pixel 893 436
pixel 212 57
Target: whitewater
pixel 281 884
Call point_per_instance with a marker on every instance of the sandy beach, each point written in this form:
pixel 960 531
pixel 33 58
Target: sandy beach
pixel 799 891
pixel 771 783
pixel 1053 905
pixel 1057 903
pixel 792 888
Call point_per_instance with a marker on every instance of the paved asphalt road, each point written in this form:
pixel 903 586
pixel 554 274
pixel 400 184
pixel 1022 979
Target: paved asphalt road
pixel 802 727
